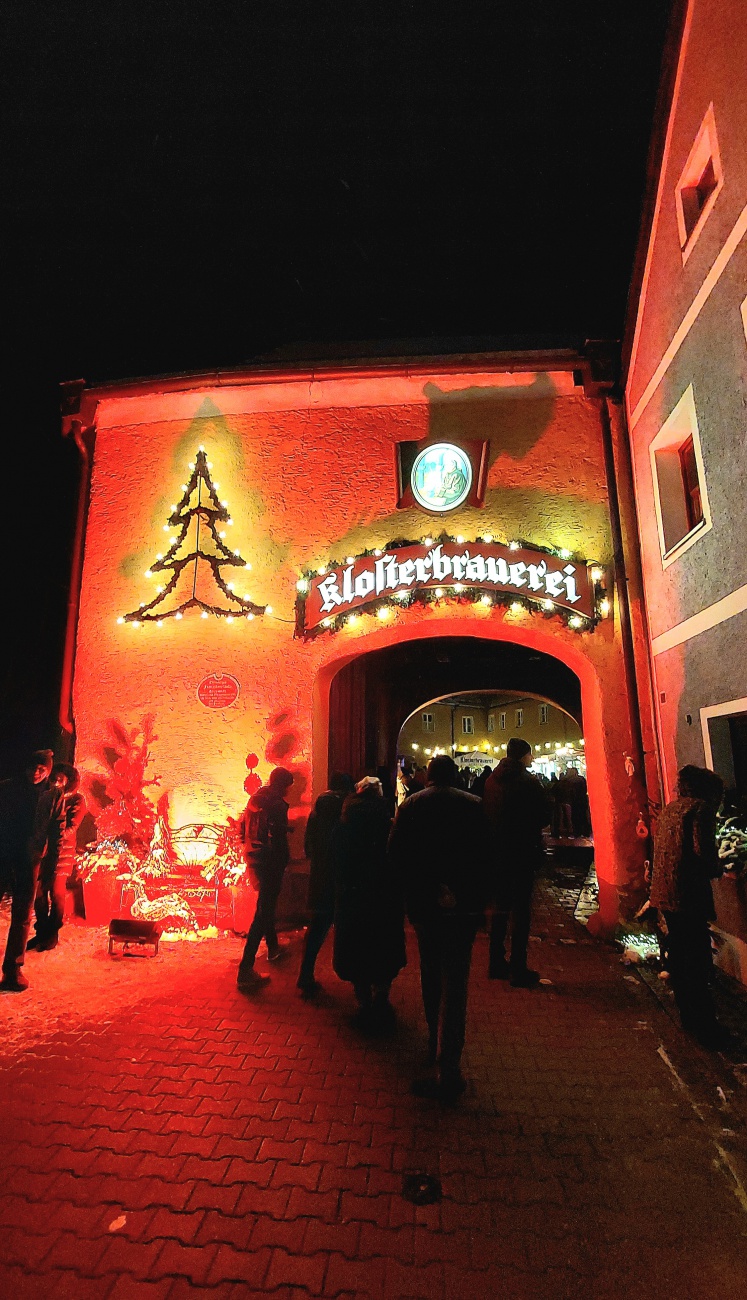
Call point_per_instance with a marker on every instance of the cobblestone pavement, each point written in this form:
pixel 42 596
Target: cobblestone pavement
pixel 164 1136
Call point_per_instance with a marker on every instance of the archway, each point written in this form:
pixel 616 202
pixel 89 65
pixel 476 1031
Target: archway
pixel 371 696
pixel 476 725
pixel 578 686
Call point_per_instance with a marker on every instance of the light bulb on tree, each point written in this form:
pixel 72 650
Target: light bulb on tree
pixel 197 552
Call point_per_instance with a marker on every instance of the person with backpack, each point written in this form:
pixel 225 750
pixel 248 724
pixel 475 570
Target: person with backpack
pixel 264 830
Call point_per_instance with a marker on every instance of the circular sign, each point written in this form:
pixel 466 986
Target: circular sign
pixel 441 477
pixel 218 691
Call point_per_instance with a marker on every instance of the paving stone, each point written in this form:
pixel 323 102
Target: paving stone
pixel 259 1148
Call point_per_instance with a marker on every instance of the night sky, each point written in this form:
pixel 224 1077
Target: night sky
pixel 192 185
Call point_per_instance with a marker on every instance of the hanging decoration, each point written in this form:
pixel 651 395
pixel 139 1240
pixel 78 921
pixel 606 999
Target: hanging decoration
pixel 486 572
pixel 197 551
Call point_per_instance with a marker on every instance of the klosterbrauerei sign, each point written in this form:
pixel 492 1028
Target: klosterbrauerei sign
pixel 487 565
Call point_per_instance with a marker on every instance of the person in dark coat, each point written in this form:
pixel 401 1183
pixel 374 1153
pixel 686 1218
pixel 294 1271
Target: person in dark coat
pixel 439 849
pixel 369 946
pixel 388 790
pixel 517 809
pixel 321 899
pixel 58 861
pixel 478 785
pixel 685 862
pixel 264 830
pixel 573 800
pixel 31 820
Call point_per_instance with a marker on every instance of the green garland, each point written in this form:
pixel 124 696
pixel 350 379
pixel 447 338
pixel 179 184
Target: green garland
pixel 181 517
pixel 471 595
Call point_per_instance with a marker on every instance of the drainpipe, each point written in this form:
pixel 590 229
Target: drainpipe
pixel 621 588
pixel 85 439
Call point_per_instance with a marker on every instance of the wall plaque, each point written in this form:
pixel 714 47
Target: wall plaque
pixel 218 691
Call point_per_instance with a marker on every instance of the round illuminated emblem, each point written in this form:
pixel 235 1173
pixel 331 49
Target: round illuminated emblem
pixel 441 477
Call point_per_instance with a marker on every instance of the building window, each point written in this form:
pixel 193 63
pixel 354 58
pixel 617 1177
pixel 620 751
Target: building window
pixel 543 714
pixel 678 473
pixel 502 721
pixel 491 722
pixel 691 484
pixel 699 184
pixel 468 726
pixel 428 722
pixel 519 717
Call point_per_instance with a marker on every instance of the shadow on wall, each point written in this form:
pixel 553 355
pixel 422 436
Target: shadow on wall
pixel 281 749
pixel 513 419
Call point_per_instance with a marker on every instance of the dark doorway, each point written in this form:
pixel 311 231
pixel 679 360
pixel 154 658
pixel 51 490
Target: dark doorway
pixel 371 696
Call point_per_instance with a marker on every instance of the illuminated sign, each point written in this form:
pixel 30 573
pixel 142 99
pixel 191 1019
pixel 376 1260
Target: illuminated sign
pixel 449 568
pixel 441 477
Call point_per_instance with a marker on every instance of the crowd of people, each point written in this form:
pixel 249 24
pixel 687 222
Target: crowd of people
pixel 428 850
pixel 567 792
pixel 435 853
pixel 40 812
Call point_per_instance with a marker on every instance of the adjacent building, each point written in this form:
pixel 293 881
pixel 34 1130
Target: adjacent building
pixel 686 401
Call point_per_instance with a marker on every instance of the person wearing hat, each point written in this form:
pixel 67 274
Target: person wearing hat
pixel 264 830
pixel 58 861
pixel 31 819
pixel 517 809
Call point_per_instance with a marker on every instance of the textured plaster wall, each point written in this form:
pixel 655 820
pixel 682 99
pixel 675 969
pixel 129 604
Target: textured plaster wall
pixel 712 357
pixel 307 484
pixel 712 71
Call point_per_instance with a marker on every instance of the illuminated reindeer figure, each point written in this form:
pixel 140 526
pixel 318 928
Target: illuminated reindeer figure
pixel 157 909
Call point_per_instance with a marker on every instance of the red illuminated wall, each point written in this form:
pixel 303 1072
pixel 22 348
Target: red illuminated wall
pixel 308 469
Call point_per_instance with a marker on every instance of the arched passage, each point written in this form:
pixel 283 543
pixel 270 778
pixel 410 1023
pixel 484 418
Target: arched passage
pixel 371 696
pixel 544 662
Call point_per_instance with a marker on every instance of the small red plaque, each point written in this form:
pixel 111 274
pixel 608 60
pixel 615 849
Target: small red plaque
pixel 218 691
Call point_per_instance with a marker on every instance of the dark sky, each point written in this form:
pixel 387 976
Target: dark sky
pixel 192 184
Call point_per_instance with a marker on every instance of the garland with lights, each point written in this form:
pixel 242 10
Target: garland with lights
pixel 384 607
pixel 208 512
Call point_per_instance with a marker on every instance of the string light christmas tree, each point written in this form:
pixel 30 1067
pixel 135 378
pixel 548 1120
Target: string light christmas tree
pixel 197 551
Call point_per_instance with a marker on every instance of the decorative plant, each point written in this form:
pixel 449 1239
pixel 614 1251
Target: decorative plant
pixel 731 839
pixel 125 812
pixel 105 858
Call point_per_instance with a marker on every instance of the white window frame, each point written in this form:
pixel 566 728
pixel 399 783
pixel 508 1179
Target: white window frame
pixel 468 730
pixel 519 719
pixel 491 723
pixel 705 149
pixel 718 711
pixel 429 722
pixel 680 426
pixel 543 715
pixel 502 721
